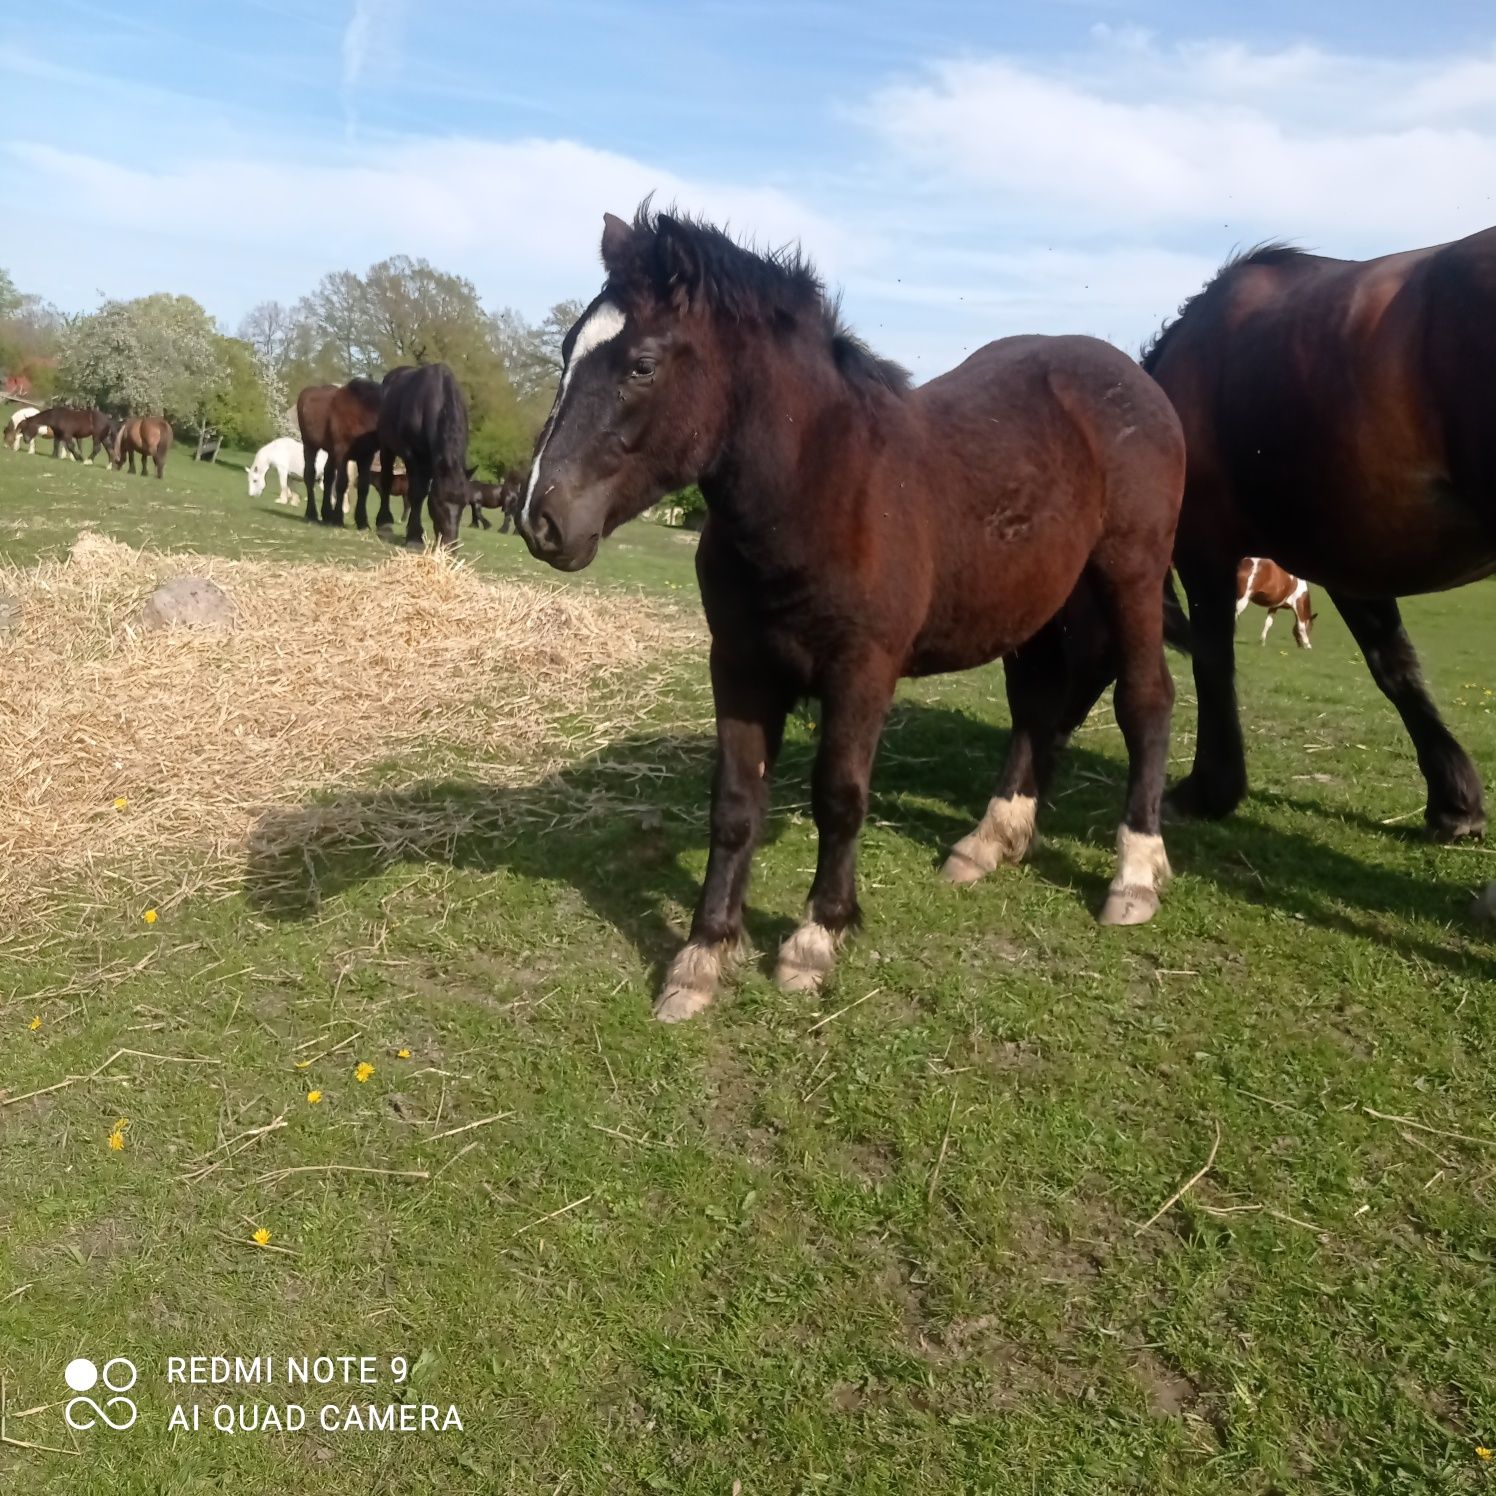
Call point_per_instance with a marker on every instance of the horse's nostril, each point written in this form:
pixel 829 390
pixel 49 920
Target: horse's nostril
pixel 547 532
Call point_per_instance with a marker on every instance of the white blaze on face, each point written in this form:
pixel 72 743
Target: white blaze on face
pixel 605 324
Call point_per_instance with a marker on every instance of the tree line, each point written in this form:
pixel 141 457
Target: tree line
pixel 164 355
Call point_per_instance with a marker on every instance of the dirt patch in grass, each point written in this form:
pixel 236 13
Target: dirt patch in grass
pixel 121 747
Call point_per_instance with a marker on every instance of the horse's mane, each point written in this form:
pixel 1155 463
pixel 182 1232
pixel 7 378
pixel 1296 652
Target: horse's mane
pixel 773 287
pixel 1270 252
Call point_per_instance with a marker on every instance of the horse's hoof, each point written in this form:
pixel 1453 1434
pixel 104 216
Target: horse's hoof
pixel 961 870
pixel 415 546
pixel 676 1003
pixel 1454 825
pixel 691 982
pixel 806 959
pixel 1129 906
pixel 1190 800
pixel 1483 910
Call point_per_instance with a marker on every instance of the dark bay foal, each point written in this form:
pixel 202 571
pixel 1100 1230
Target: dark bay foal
pixel 340 420
pixel 859 530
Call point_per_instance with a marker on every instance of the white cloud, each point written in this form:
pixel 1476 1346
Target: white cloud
pixel 1344 151
pixel 522 219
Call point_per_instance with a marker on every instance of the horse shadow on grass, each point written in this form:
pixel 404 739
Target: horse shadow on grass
pixel 620 825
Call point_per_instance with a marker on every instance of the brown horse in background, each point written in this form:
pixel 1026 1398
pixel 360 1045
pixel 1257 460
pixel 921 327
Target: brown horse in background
pixel 858 531
pixel 150 436
pixel 340 420
pixel 1340 417
pixel 69 424
pixel 503 495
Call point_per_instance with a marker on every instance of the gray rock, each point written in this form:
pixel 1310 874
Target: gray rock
pixel 189 602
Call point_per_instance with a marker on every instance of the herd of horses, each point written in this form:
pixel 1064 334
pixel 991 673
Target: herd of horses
pixel 1030 504
pixel 1033 505
pixel 148 437
pixel 355 433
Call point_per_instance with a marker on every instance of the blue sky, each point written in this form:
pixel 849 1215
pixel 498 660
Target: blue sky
pixel 959 171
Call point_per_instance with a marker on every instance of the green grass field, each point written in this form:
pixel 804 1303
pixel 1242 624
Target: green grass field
pixel 892 1250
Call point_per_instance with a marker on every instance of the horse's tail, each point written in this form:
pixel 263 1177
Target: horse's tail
pixel 450 457
pixel 1177 629
pixel 163 439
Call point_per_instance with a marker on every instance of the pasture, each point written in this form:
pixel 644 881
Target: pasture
pixel 891 1239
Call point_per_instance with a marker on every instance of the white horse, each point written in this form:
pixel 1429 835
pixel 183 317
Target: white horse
pixel 13 433
pixel 287 456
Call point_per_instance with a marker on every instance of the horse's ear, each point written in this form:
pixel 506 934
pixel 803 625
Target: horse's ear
pixel 678 261
pixel 617 239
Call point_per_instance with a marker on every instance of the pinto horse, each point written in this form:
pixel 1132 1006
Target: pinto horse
pixel 423 420
pixel 150 436
pixel 339 420
pixel 1338 415
pixel 859 530
pixel 69 423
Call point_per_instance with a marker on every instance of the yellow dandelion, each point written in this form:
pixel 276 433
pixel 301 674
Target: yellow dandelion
pixel 1482 1453
pixel 364 1071
pixel 120 802
pixel 35 1023
pixel 150 916
pixel 117 1136
pixel 261 1238
pixel 403 1054
pixel 314 1097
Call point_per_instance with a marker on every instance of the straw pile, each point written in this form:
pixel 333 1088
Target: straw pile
pixel 326 673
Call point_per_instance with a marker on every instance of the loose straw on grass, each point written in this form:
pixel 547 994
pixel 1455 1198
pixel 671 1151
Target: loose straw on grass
pixel 327 671
pixel 73 1080
pixel 1186 1187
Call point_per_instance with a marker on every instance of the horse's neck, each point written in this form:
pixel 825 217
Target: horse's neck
pixel 764 474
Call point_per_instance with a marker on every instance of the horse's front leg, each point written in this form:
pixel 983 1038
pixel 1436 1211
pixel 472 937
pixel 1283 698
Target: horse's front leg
pixel 385 519
pixel 309 477
pixel 1217 781
pixel 751 708
pixel 854 707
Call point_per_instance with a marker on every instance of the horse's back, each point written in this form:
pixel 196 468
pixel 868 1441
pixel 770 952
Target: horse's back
pixel 1068 402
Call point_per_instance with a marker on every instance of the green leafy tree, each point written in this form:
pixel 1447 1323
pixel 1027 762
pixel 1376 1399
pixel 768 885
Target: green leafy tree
pixel 245 406
pixel 156 355
pixel 10 298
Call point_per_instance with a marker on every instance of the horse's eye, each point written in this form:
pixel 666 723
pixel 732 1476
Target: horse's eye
pixel 643 368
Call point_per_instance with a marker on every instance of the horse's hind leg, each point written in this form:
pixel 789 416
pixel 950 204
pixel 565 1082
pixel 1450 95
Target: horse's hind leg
pixel 751 706
pixel 1035 679
pixel 1143 701
pixel 854 706
pixel 1455 806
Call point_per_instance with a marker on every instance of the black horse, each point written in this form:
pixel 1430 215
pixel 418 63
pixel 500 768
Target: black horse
pixel 423 420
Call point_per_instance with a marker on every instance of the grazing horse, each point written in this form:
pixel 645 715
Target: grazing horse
pixel 288 458
pixel 13 431
pixel 859 530
pixel 1339 418
pixel 150 436
pixel 502 496
pixel 341 421
pixel 67 423
pixel 423 421
pixel 1265 583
